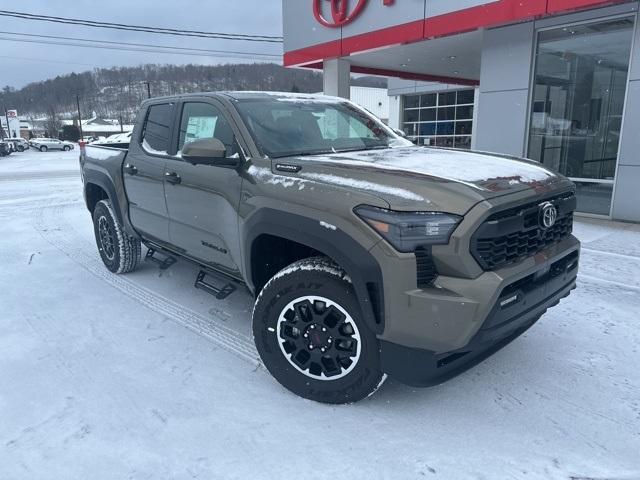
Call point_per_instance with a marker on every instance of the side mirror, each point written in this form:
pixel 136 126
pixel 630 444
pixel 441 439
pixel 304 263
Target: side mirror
pixel 208 151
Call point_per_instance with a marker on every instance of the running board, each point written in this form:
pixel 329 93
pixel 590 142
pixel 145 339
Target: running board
pixel 162 264
pixel 219 292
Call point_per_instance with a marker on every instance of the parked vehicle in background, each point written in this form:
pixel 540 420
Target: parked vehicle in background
pixel 5 148
pixel 367 255
pixel 19 144
pixel 45 144
pixel 119 138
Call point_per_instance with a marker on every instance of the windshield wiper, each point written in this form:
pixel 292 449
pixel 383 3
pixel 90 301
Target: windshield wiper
pixel 362 149
pixel 301 153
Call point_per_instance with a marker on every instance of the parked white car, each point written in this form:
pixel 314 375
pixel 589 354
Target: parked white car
pixel 19 144
pixel 44 144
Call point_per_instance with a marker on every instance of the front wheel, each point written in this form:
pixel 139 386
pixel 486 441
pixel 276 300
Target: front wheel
pixel 119 252
pixel 310 335
pixel 20 148
pixel 66 148
pixel 43 148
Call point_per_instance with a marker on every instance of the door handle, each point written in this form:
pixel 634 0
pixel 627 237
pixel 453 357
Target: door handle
pixel 130 169
pixel 172 177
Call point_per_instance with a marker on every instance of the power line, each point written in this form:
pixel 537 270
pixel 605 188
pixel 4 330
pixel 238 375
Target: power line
pixel 131 49
pixel 30 59
pixel 147 45
pixel 141 28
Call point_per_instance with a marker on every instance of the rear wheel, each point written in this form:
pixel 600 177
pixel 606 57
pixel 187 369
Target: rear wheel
pixel 311 337
pixel 20 148
pixel 43 148
pixel 119 252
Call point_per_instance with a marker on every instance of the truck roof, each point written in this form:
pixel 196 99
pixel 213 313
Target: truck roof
pixel 249 95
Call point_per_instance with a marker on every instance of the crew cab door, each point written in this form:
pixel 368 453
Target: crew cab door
pixel 202 200
pixel 143 173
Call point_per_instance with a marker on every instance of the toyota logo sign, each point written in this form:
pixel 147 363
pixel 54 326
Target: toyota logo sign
pixel 548 215
pixel 341 11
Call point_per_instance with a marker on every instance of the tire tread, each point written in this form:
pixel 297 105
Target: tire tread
pixel 130 249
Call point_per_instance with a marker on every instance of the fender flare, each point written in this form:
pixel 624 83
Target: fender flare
pixel 103 181
pixel 357 262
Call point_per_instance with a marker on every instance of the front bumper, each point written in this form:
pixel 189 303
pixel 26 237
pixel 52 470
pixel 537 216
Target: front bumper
pixel 519 304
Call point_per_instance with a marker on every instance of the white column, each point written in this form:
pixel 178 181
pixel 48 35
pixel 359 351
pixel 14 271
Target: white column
pixel 337 78
pixel 394 111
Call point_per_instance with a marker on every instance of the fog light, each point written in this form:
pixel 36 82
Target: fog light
pixel 508 301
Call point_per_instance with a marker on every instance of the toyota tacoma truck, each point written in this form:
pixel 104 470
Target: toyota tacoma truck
pixel 367 256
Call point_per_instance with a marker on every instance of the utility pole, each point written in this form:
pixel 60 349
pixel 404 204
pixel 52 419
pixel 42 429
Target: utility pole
pixel 6 117
pixel 121 129
pixel 148 89
pixel 79 117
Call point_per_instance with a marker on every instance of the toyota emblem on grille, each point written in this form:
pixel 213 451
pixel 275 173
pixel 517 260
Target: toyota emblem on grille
pixel 548 215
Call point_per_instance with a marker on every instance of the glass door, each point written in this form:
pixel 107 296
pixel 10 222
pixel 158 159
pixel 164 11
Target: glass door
pixel 578 99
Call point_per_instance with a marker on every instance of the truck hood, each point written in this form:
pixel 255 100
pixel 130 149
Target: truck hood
pixel 419 178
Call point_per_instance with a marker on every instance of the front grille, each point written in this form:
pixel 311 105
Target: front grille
pixel 512 235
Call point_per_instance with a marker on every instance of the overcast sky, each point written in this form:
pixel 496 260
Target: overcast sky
pixel 22 63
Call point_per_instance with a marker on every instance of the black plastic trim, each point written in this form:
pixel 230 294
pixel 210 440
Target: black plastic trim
pixel 424 368
pixel 358 263
pixel 103 181
pixel 512 234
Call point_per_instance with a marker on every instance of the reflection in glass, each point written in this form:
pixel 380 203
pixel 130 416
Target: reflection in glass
pixel 578 99
pixel 594 197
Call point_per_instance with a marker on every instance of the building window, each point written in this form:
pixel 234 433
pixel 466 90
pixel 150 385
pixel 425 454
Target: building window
pixel 443 119
pixel 578 98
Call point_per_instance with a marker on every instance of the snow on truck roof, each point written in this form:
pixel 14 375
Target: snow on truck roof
pixel 255 95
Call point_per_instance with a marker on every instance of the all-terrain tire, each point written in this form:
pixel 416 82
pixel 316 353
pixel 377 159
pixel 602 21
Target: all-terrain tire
pixel 119 252
pixel 43 148
pixel 309 296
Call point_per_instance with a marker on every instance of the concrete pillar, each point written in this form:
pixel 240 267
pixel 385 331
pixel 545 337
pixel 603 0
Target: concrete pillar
pixel 337 78
pixel 625 198
pixel 395 106
pixel 503 97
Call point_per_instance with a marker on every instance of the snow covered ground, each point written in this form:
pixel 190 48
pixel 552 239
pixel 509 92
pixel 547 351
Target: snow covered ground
pixel 144 377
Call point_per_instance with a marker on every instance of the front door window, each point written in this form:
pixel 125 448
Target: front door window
pixel 578 99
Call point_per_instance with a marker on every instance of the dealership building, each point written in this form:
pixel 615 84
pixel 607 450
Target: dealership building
pixel 557 81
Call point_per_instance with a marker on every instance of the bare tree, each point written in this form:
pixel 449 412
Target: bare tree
pixel 53 123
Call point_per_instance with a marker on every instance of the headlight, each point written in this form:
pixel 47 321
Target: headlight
pixel 406 231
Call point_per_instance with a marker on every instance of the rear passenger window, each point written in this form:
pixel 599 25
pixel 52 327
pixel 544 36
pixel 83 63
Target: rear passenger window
pixel 156 132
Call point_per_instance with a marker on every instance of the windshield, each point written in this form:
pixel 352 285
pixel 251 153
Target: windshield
pixel 283 126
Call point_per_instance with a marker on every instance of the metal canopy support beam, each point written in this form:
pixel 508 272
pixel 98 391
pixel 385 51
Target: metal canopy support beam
pixel 337 77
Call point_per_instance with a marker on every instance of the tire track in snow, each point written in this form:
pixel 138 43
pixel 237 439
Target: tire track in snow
pixel 50 223
pixel 622 256
pixel 26 176
pixel 592 279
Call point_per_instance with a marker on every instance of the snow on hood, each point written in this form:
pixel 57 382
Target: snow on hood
pixel 478 170
pixel 373 187
pixel 265 175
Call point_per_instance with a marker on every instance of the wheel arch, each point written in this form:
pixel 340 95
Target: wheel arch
pixel 98 187
pixel 305 233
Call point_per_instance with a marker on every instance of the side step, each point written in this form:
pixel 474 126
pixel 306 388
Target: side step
pixel 219 292
pixel 162 264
